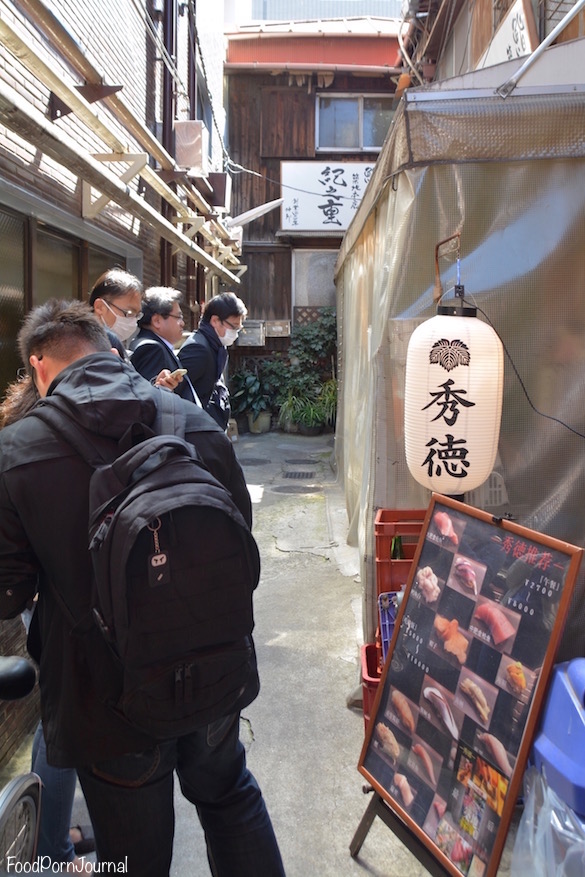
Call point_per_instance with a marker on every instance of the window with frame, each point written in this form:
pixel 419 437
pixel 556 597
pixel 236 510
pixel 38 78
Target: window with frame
pixel 352 122
pixel 40 262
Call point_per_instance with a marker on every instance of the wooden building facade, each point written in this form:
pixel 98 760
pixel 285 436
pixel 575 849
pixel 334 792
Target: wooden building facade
pixel 282 80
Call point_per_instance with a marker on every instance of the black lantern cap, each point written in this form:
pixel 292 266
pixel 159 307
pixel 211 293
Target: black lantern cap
pixel 458 309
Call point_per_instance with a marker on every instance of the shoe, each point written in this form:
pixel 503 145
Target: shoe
pixel 87 842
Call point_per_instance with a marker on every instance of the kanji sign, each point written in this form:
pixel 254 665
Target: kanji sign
pixel 322 196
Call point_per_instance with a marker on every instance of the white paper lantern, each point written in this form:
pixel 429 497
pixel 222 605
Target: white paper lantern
pixel 453 401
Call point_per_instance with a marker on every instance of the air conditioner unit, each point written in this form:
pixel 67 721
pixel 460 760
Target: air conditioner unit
pixel 192 146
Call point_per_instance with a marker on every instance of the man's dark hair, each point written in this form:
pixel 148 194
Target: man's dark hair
pixel 114 283
pixel 158 300
pixel 63 329
pixel 225 305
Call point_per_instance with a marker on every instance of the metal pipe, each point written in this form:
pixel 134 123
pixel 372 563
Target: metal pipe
pixel 279 67
pixel 511 83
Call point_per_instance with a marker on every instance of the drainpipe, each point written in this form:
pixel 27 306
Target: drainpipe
pixel 168 116
pixel 194 278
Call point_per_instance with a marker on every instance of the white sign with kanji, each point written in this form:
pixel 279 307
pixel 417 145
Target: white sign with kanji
pixel 322 196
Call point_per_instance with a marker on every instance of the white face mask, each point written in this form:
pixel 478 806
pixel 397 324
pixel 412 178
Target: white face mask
pixel 230 336
pixel 123 327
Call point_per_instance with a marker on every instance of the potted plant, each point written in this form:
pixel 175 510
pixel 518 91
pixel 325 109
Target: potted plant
pixel 310 410
pixel 248 397
pixel 300 384
pixel 288 414
pixel 311 416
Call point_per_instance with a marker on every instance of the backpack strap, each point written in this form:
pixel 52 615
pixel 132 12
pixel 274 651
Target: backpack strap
pixel 64 425
pixel 170 415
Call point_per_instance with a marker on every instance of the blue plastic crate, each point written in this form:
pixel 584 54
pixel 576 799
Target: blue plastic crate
pixel 560 742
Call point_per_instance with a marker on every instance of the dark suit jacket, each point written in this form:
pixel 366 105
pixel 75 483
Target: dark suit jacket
pixel 200 360
pixel 150 354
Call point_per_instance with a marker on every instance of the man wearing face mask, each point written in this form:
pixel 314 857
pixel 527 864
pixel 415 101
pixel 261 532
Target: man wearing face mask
pixel 116 300
pixel 204 353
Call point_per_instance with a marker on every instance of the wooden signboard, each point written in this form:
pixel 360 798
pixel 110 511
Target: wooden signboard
pixel 466 673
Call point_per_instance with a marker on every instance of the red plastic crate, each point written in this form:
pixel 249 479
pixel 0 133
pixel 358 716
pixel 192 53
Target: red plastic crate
pixel 370 678
pixel 406 523
pixel 392 575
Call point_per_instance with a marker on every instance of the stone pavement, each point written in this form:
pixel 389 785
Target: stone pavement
pixel 303 741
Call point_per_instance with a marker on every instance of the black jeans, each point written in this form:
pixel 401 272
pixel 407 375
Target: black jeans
pixel 130 801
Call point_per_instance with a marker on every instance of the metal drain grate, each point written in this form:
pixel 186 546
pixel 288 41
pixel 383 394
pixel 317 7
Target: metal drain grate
pixel 299 474
pixel 253 461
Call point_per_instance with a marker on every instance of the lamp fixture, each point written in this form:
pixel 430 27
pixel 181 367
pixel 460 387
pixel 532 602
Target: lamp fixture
pixel 453 399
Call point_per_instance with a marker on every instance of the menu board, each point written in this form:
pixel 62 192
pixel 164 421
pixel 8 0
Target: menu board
pixel 466 673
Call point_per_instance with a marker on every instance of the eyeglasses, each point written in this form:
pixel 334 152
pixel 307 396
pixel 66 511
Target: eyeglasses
pixel 178 317
pixel 125 313
pixel 233 328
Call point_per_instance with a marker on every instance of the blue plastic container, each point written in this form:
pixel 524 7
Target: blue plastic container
pixel 559 747
pixel 387 607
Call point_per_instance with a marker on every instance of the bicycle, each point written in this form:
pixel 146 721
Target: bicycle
pixel 20 799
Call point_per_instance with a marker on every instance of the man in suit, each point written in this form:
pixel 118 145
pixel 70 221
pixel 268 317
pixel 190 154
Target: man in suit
pixel 204 353
pixel 161 327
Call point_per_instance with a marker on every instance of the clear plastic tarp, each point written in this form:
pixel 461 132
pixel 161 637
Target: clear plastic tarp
pixel 508 177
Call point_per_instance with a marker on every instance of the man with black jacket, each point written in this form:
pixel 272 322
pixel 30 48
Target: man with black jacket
pixel 161 327
pixel 127 777
pixel 204 353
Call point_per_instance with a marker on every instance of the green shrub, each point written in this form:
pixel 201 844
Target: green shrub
pixel 301 385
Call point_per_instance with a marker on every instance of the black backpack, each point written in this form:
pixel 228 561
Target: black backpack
pixel 175 566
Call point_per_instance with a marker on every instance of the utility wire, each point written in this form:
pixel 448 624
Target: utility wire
pixel 520 381
pixel 159 45
pixel 238 169
pixel 172 68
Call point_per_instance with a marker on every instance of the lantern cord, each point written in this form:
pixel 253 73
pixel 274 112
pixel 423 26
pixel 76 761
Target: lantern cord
pixel 521 382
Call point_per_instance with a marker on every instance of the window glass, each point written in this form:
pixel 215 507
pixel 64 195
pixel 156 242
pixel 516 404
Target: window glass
pixel 339 123
pixel 11 295
pixel 313 273
pixel 56 268
pixel 99 261
pixel 377 119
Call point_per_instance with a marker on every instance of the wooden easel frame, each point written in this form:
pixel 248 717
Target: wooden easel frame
pixel 490 619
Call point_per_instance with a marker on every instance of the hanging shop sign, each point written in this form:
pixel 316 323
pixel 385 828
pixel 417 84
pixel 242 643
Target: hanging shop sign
pixel 453 402
pixel 322 196
pixel 466 673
